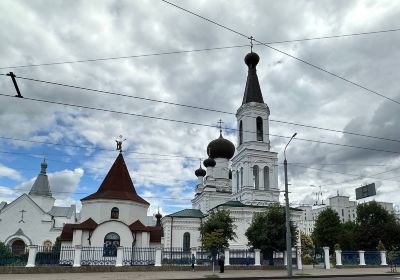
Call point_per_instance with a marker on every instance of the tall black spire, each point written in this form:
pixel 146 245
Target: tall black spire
pixel 252 92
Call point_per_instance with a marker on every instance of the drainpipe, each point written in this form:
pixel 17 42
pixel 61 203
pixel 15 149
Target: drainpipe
pixel 172 223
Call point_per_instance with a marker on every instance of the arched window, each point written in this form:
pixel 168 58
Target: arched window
pixel 111 243
pixel 114 213
pixel 186 241
pixel 259 124
pixel 241 177
pixel 237 181
pixel 240 132
pixel 255 177
pixel 266 178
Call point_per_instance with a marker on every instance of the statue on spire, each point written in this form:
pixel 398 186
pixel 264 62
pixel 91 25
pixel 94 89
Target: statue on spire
pixel 119 143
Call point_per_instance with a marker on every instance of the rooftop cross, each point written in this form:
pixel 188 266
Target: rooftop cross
pixel 119 143
pixel 220 122
pixel 22 216
pixel 251 43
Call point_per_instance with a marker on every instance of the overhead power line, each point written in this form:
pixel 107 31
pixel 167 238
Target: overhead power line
pixel 201 108
pixel 192 123
pixel 197 50
pixel 285 53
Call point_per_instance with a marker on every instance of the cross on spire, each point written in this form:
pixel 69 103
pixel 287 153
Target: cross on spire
pixel 220 122
pixel 119 143
pixel 251 43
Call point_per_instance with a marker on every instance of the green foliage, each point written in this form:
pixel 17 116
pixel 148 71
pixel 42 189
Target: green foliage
pixel 307 259
pixel 5 251
pixel 380 246
pixel 218 230
pixel 267 231
pixel 348 236
pixel 337 247
pixel 376 224
pixel 327 229
pixel 307 247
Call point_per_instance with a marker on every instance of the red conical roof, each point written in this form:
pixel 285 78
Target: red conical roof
pixel 117 184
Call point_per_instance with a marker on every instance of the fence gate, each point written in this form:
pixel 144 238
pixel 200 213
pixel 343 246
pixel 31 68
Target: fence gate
pixel 318 257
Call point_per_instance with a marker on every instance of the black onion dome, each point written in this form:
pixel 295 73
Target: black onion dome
pixel 210 162
pixel 251 59
pixel 200 172
pixel 221 148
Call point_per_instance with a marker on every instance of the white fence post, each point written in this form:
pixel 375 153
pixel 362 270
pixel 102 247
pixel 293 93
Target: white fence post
pixel 120 256
pixel 338 257
pixel 194 252
pixel 227 257
pixel 32 255
pixel 326 258
pixel 285 258
pixel 362 257
pixel 158 257
pixel 257 257
pixel 383 258
pixel 78 255
pixel 298 258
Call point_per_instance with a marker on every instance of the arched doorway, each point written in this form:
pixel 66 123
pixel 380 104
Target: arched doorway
pixel 18 247
pixel 111 243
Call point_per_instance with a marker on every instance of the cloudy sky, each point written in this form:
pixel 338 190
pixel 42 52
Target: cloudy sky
pixel 79 143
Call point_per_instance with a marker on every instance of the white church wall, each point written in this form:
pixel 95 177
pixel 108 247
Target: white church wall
pixel 180 227
pixel 100 210
pixel 97 238
pixel 45 202
pixel 36 226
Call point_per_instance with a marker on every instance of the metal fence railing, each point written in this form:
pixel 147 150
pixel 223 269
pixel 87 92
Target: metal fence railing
pixel 276 260
pixel 372 257
pixel 98 256
pixel 48 255
pixel 13 256
pixel 350 258
pixel 139 256
pixel 203 257
pixel 176 256
pixel 241 257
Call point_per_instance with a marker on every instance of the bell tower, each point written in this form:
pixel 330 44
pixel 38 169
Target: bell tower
pixel 254 166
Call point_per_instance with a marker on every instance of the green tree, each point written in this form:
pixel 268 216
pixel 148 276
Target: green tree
pixel 218 230
pixel 376 224
pixel 327 229
pixel 348 236
pixel 5 251
pixel 267 231
pixel 307 246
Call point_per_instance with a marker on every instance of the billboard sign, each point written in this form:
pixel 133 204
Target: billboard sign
pixel 365 191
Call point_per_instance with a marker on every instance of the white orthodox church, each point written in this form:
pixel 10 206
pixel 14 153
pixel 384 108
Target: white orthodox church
pixel 242 179
pixel 32 219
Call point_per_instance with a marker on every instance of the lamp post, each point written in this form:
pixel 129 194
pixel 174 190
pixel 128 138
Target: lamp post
pixel 288 233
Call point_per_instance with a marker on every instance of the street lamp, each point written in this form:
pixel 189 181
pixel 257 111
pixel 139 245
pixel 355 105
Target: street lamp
pixel 288 233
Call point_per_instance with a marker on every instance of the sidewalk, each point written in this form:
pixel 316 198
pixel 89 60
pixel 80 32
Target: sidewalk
pixel 229 274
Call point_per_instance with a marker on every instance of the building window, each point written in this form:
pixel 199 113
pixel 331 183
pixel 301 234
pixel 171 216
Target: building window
pixel 240 132
pixel 241 177
pixel 114 213
pixel 111 243
pixel 266 178
pixel 255 176
pixel 342 212
pixel 237 181
pixel 18 247
pixel 186 241
pixel 259 124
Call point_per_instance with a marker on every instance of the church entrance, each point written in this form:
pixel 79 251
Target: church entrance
pixel 18 247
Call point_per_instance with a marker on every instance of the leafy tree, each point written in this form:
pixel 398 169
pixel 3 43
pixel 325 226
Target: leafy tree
pixel 267 231
pixel 380 246
pixel 5 251
pixel 327 229
pixel 307 247
pixel 218 230
pixel 348 236
pixel 376 224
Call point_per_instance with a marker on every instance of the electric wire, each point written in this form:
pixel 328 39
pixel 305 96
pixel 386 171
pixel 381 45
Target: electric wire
pixel 193 123
pixel 198 50
pixel 285 53
pixel 202 108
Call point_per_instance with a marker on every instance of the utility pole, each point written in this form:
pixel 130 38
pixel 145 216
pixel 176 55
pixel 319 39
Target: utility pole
pixel 288 233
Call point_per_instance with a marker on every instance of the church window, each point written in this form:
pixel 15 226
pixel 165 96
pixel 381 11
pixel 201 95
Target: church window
pixel 237 181
pixel 259 124
pixel 266 178
pixel 241 177
pixel 114 213
pixel 186 241
pixel 111 243
pixel 255 177
pixel 240 132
